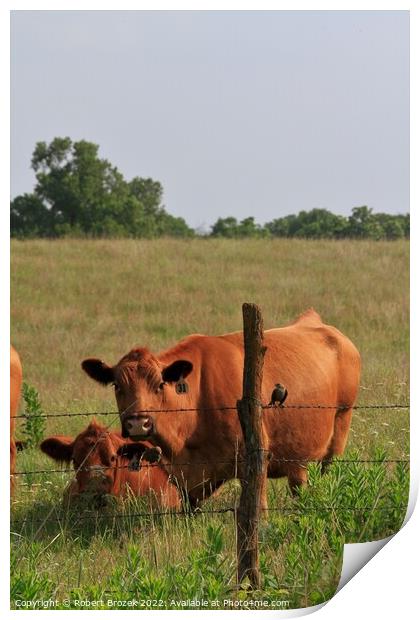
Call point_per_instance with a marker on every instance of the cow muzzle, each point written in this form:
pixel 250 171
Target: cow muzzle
pixel 95 481
pixel 137 426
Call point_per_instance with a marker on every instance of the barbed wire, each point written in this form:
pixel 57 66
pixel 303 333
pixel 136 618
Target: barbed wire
pixel 198 512
pixel 69 471
pixel 221 408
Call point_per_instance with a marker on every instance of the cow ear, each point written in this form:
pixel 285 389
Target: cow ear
pixel 120 443
pixel 98 370
pixel 180 368
pixel 59 448
pixel 130 450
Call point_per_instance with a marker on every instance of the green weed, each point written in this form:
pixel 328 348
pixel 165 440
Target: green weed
pixel 33 427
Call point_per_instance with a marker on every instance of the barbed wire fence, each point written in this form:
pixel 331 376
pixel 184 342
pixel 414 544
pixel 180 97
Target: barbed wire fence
pixel 67 414
pixel 98 517
pixel 68 471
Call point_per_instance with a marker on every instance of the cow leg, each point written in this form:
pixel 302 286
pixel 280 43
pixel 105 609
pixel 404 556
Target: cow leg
pixel 190 502
pixel 297 476
pixel 169 498
pixel 263 496
pixel 341 431
pixel 210 488
pixel 264 500
pixel 338 442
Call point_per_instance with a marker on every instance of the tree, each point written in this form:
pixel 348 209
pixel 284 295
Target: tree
pixel 170 226
pixel 363 225
pixel 319 224
pixel 148 192
pixel 392 226
pixel 29 217
pixel 79 188
pixel 314 224
pixel 282 226
pixel 225 227
pixel 249 228
pixel 232 229
pixel 79 193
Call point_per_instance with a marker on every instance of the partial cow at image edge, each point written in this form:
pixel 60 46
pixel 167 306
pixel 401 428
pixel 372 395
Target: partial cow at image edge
pixel 16 374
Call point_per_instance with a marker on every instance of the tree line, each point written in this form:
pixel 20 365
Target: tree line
pixel 80 195
pixel 319 224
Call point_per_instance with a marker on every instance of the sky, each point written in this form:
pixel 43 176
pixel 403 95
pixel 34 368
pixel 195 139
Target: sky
pixel 243 113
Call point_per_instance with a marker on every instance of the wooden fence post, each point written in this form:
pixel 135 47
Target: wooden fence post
pixel 254 474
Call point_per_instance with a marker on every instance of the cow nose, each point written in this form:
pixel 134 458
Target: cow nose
pixel 138 426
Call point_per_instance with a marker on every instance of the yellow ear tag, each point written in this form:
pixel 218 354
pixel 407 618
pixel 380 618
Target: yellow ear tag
pixel 181 386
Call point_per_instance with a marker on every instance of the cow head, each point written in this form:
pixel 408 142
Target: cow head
pixel 97 456
pixel 142 386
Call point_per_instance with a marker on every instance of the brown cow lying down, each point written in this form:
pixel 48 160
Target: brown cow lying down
pixel 15 388
pixel 102 467
pixel 314 362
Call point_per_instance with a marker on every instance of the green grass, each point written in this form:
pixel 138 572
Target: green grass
pixel 74 299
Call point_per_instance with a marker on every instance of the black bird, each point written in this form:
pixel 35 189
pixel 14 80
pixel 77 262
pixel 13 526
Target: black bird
pixel 279 395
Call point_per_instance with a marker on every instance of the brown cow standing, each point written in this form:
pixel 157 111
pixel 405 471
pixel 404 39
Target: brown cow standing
pixel 15 389
pixel 102 469
pixel 315 362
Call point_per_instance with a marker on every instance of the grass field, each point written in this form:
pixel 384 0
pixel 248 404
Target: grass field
pixel 73 299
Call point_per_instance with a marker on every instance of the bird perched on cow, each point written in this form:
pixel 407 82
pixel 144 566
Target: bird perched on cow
pixel 278 396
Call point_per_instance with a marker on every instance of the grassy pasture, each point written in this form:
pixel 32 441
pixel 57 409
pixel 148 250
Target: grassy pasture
pixel 73 299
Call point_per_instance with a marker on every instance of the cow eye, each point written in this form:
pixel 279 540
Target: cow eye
pixel 116 388
pixel 162 385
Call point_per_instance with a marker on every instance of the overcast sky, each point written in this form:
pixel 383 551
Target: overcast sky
pixel 235 113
